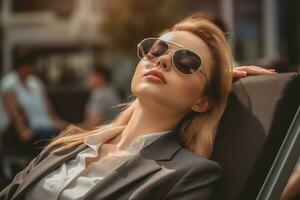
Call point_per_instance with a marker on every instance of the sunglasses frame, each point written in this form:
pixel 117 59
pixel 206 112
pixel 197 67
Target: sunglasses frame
pixel 201 68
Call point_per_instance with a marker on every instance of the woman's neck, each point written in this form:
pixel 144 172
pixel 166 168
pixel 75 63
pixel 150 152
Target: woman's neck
pixel 145 120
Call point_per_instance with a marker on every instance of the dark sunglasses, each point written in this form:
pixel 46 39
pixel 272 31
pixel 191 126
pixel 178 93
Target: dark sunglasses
pixel 184 60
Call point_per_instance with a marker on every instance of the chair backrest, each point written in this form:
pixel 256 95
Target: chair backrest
pixel 259 113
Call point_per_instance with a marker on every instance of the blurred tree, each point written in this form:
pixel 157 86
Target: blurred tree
pixel 127 22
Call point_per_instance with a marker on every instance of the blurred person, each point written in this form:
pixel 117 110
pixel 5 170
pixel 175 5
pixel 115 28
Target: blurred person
pixel 102 104
pixel 31 116
pixel 159 145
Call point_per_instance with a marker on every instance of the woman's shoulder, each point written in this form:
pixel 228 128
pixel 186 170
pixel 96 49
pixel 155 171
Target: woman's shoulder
pixel 192 159
pixel 183 157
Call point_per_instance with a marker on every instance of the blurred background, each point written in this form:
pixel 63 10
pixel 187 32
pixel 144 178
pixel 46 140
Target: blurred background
pixel 66 39
pixel 67 36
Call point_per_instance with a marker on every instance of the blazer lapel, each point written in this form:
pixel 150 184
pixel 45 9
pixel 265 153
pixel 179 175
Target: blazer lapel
pixel 141 165
pixel 47 165
pixel 122 176
pixel 164 148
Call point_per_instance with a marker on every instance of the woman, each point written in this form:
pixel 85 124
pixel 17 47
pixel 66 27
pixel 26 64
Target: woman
pixel 158 147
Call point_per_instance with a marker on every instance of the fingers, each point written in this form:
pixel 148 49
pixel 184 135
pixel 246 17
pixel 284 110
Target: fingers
pixel 239 74
pixel 254 68
pixel 251 70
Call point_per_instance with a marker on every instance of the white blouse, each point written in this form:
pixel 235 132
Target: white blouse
pixel 74 179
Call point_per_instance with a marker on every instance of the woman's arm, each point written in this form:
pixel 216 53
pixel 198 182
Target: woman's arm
pixel 197 184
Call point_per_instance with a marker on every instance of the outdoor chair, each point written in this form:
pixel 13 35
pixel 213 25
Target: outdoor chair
pixel 258 116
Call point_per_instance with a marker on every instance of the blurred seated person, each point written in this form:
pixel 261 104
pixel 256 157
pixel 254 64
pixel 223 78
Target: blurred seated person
pixel 31 116
pixel 102 105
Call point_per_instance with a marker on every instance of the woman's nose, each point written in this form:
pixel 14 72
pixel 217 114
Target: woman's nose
pixel 164 62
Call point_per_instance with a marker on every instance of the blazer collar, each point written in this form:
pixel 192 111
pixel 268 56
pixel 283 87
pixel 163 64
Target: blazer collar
pixel 163 148
pixel 51 162
pixel 142 164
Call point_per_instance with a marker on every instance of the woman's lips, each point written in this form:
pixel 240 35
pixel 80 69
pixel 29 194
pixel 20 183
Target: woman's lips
pixel 156 74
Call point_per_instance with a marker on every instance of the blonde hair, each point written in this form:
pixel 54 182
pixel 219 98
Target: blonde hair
pixel 196 130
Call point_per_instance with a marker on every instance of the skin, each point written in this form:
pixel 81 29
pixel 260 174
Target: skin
pixel 243 71
pixel 171 102
pixel 96 81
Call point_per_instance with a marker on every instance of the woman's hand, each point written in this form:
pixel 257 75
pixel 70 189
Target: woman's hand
pixel 243 71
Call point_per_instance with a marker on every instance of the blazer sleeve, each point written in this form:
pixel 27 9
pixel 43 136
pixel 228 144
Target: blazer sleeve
pixel 9 191
pixel 197 183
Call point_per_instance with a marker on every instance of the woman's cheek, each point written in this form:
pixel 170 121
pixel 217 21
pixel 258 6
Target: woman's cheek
pixel 191 91
pixel 188 92
pixel 136 79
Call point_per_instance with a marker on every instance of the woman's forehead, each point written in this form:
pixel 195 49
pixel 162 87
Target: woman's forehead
pixel 186 39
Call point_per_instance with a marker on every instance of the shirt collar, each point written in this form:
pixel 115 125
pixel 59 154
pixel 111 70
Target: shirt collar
pixel 94 141
pixel 102 135
pixel 142 141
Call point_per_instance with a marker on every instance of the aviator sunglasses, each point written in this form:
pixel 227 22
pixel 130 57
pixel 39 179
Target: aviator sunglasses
pixel 185 61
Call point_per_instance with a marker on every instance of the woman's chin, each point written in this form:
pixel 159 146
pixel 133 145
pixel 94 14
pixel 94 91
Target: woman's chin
pixel 156 101
pixel 148 91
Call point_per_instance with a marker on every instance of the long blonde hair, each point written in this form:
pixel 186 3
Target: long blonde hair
pixel 196 130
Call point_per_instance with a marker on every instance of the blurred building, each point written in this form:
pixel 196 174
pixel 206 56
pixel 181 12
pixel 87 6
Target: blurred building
pixel 64 37
pixel 69 35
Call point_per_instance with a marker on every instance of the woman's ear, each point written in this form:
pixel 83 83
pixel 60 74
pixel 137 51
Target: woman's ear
pixel 202 105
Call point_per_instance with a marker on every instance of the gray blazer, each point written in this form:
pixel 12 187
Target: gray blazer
pixel 162 170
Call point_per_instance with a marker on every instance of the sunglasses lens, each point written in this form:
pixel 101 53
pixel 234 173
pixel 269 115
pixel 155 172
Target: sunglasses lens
pixel 186 61
pixel 152 48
